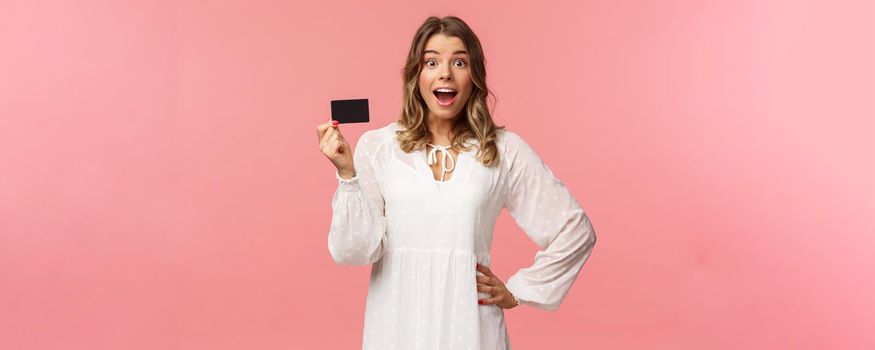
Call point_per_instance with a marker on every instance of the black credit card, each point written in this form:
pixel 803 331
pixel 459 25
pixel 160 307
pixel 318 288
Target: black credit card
pixel 350 111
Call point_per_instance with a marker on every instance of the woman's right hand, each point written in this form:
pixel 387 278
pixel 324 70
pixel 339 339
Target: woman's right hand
pixel 334 146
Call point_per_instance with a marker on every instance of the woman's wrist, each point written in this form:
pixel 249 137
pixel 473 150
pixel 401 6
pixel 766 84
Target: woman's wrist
pixel 346 174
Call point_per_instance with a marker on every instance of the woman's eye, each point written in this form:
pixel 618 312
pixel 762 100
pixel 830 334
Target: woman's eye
pixel 458 63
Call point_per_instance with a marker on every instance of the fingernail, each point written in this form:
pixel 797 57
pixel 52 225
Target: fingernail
pixel 335 122
pixel 480 302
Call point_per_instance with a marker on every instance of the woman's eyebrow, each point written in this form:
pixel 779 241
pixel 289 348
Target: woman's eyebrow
pixel 454 53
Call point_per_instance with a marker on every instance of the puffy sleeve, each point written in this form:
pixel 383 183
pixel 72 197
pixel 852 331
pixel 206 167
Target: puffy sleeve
pixel 551 217
pixel 358 226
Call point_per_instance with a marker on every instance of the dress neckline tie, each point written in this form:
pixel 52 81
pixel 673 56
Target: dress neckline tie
pixel 432 158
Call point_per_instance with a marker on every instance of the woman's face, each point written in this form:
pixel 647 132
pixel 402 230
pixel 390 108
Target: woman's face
pixel 445 66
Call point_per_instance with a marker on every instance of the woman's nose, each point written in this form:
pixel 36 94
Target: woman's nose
pixel 446 75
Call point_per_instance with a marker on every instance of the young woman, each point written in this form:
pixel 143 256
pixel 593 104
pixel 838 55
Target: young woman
pixel 419 199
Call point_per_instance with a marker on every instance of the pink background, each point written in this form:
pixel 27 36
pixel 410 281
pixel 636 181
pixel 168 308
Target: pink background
pixel 161 185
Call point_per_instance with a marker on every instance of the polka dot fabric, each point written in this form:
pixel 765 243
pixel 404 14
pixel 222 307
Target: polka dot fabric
pixel 423 239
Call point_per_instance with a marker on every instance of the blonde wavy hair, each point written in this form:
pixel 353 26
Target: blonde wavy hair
pixel 475 120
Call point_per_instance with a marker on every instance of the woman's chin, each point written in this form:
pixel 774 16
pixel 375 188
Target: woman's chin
pixel 444 115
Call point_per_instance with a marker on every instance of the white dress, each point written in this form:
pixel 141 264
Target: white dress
pixel 424 239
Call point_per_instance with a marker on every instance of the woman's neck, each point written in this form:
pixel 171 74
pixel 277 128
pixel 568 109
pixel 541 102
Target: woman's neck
pixel 441 131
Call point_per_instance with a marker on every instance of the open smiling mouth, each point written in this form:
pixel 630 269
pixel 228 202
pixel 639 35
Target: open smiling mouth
pixel 445 96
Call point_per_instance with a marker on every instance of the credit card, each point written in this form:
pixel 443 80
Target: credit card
pixel 350 111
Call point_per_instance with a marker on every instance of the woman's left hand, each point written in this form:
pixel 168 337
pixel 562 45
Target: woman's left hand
pixel 493 285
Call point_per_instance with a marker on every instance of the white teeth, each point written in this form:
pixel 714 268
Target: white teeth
pixel 445 90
